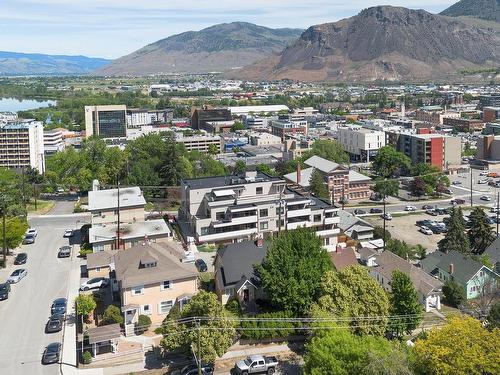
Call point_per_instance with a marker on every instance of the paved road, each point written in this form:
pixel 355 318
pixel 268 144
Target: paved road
pixel 24 314
pixel 64 204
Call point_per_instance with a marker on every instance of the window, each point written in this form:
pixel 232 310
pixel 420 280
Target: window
pixel 219 216
pixel 259 190
pixel 280 210
pixel 98 248
pixel 278 223
pixel 165 306
pixel 263 212
pixel 137 290
pixel 204 231
pixel 317 218
pixel 264 225
pixel 146 309
pixel 166 285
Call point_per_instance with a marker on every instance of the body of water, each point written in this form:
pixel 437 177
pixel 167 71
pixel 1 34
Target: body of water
pixel 15 105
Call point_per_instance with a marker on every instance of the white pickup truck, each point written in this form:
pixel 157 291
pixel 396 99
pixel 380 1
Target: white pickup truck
pixel 256 364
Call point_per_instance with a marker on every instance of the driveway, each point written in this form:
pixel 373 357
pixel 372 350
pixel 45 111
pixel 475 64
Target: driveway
pixel 24 315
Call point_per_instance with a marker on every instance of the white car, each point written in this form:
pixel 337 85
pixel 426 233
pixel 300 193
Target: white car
pixel 483 181
pixel 485 198
pixel 32 231
pixel 484 173
pixel 410 208
pixel 425 230
pixel 17 275
pixel 494 209
pixel 95 283
pixel 68 233
pixel 386 216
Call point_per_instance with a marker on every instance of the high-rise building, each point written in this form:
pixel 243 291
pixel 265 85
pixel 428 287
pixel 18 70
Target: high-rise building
pixel 202 116
pixel 53 141
pixel 21 145
pixel 489 101
pixel 106 121
pixel 361 144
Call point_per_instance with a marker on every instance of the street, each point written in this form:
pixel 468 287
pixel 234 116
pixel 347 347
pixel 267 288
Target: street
pixel 26 311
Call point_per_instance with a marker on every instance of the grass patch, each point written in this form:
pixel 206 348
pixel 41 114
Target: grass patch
pixel 42 206
pixel 207 281
pixel 207 248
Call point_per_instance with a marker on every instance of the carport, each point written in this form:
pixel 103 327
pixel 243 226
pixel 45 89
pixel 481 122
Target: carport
pixel 104 337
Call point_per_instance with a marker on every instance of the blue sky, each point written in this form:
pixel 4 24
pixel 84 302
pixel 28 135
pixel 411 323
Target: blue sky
pixel 112 28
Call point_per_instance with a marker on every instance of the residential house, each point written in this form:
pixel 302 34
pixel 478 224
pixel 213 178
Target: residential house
pixel 475 278
pixel 100 264
pixel 234 272
pixel 355 227
pixel 343 257
pixel 382 265
pixel 493 254
pixel 151 280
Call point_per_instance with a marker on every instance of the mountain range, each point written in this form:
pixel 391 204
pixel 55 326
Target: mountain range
pixel 484 9
pixel 217 48
pixel 16 63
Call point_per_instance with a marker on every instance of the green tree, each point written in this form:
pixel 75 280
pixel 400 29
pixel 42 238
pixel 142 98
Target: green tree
pixel 480 234
pixel 293 269
pixel 404 303
pixel 494 316
pixel 378 232
pixel 240 167
pixel 418 187
pixel 386 187
pixel 318 186
pixel 421 169
pixel 112 315
pixel 238 125
pixel 456 238
pixel 462 347
pixel 388 162
pixel 405 251
pixel 15 229
pixel 213 149
pixel 216 335
pixel 353 293
pixel 327 149
pixel 85 304
pixel 454 293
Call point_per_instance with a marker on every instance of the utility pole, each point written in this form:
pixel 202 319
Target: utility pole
pixel 118 212
pixel 498 197
pixel 471 202
pixel 385 184
pixel 199 346
pixel 4 236
pixel 343 194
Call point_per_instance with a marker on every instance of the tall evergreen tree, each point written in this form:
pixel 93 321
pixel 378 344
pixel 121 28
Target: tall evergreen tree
pixel 481 234
pixel 456 238
pixel 404 302
pixel 318 185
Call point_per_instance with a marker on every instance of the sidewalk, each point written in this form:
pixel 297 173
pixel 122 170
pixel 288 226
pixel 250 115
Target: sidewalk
pixel 246 350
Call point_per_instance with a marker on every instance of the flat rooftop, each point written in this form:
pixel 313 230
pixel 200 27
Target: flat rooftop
pixel 219 181
pixel 148 228
pixel 106 199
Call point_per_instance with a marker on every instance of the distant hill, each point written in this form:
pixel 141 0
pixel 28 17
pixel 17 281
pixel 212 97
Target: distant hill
pixel 217 48
pixel 16 63
pixel 484 9
pixel 382 43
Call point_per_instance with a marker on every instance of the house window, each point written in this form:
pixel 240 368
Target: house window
pixel 204 231
pixel 219 215
pixel 278 223
pixel 259 190
pixel 165 306
pixel 264 225
pixel 98 248
pixel 146 309
pixel 137 290
pixel 280 210
pixel 317 218
pixel 98 269
pixel 263 212
pixel 166 285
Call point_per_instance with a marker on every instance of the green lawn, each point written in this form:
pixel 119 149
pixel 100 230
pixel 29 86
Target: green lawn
pixel 42 206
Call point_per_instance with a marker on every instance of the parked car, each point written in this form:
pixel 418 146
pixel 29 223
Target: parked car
pixel 51 353
pixel 376 210
pixel 431 212
pixel 256 364
pixel 29 239
pixel 95 283
pixel 358 211
pixel 55 323
pixel 486 198
pixel 492 220
pixel 457 201
pixel 424 223
pixel 494 209
pixel 483 181
pixel 491 174
pixel 386 216
pixel 427 207
pixel 59 306
pixel 68 233
pixel 436 229
pixel 193 370
pixel 64 252
pixel 410 208
pixel 456 183
pixel 201 265
pixel 4 291
pixel 425 230
pixel 21 258
pixel 441 211
pixel 32 231
pixel 17 275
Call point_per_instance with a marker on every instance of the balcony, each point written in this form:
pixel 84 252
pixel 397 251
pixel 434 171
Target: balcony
pixel 299 212
pixel 214 237
pixel 332 220
pixel 235 221
pixel 298 224
pixel 328 232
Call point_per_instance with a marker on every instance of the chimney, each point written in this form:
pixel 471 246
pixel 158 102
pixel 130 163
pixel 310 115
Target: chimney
pixel 298 173
pixel 452 269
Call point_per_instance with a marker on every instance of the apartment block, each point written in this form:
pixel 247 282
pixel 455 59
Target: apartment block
pixel 106 121
pixel 361 144
pixel 235 208
pixel 491 114
pixel 489 101
pixel 464 124
pixel 139 117
pixel 285 128
pixel 434 115
pixel 21 145
pixel 53 141
pixel 439 150
pixel 264 139
pixel 199 142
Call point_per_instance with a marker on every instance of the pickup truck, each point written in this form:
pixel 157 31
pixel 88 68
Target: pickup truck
pixel 256 364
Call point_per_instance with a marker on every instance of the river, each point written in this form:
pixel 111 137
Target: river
pixel 15 105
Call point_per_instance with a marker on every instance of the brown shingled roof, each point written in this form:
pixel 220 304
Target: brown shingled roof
pixel 343 258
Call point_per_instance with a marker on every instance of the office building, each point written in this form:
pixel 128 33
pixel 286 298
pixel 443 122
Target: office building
pixel 234 208
pixel 263 139
pixel 200 143
pixel 200 117
pixel 434 115
pixel 491 114
pixel 361 144
pixel 21 145
pixel 257 122
pixel 53 141
pixel 139 117
pixel 286 128
pixel 106 121
pixel 492 100
pixel 464 124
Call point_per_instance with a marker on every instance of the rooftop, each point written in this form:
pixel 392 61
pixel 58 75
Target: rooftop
pixel 149 228
pixel 321 164
pixel 342 258
pixel 107 199
pixel 219 181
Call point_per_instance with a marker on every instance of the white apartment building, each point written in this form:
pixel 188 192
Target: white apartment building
pixel 199 142
pixel 362 144
pixel 6 117
pixel 53 141
pixel 232 208
pixel 137 118
pixel 21 145
pixel 257 122
pixel 263 139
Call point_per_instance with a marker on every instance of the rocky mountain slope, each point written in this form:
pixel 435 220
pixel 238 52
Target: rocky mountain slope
pixel 15 63
pixel 382 43
pixel 484 9
pixel 217 48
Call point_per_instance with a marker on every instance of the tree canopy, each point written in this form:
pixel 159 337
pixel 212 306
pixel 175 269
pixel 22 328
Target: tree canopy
pixel 455 238
pixel 480 234
pixel 318 186
pixel 327 149
pixel 388 162
pixel 404 303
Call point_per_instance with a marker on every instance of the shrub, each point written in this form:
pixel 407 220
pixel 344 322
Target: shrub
pixel 84 252
pixel 233 306
pixel 143 323
pixel 112 315
pixel 85 304
pixel 453 293
pixel 273 329
pixel 87 357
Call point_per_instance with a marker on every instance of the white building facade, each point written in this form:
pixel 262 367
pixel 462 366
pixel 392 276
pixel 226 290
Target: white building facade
pixel 362 144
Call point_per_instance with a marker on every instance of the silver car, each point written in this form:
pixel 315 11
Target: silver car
pixel 17 275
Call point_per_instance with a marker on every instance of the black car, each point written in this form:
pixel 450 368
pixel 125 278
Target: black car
pixel 424 223
pixel 55 323
pixel 427 207
pixel 64 252
pixel 4 291
pixel 376 210
pixel 193 370
pixel 201 265
pixel 441 211
pixel 29 239
pixel 359 212
pixel 51 353
pixel 59 306
pixel 21 258
pixel 436 229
